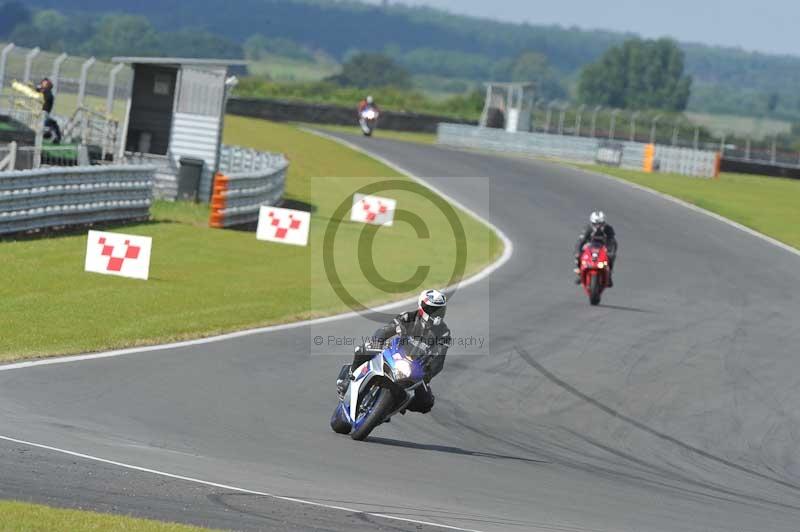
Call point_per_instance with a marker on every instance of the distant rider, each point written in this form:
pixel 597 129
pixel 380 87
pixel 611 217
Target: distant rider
pixel 366 103
pixel 423 329
pixel 46 88
pixel 597 228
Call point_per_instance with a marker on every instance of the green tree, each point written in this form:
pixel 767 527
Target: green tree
pixel 639 74
pixel 532 66
pixel 123 35
pixel 197 43
pixel 257 46
pixel 372 70
pixel 772 102
pixel 47 29
pixel 12 14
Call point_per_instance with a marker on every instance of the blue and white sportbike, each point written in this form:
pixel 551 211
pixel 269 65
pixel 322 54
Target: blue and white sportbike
pixel 379 389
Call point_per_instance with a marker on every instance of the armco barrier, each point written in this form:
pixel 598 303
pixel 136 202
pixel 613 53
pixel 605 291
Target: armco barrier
pixel 57 197
pixel 686 161
pixel 232 160
pixel 631 155
pixel 578 149
pixel 238 197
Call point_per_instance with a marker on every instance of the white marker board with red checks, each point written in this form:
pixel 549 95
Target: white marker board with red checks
pixel 373 210
pixel 118 254
pixel 286 226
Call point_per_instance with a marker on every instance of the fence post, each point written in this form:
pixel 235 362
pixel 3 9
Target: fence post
pixel 774 149
pixel 747 149
pixel 39 140
pixel 81 95
pixel 594 119
pixel 112 84
pixel 722 144
pixel 9 161
pixel 653 128
pixel 578 118
pixel 634 116
pixel 696 137
pixel 29 57
pixel 3 59
pixel 561 118
pixel 675 130
pixel 56 72
pixel 613 126
pixel 549 116
pixel 84 75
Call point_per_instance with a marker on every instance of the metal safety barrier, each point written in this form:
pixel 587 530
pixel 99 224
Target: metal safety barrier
pixel 625 154
pixel 235 159
pixel 59 197
pixel 238 196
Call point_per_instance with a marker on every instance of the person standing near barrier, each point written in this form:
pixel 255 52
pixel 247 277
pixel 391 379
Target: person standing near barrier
pixel 46 88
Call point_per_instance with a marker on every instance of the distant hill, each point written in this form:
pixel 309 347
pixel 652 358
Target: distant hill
pixel 433 42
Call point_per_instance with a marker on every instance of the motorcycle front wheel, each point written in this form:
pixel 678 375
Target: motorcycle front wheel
pixel 376 405
pixel 338 423
pixel 594 290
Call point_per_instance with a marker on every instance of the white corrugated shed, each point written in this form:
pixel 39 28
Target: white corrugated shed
pixel 197 137
pixel 197 122
pixel 193 99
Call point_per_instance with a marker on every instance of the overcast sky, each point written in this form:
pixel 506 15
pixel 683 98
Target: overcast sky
pixel 763 25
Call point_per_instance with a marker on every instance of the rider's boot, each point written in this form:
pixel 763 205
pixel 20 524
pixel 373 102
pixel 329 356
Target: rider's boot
pixel 343 382
pixel 577 275
pixel 610 278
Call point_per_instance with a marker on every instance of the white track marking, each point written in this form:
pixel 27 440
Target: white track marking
pixel 695 208
pixel 228 487
pixel 508 250
pixel 508 246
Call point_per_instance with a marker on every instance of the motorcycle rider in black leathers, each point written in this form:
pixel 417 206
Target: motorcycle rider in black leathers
pixel 422 329
pixel 597 228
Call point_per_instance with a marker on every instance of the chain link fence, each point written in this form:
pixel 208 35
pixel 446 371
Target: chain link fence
pixel 90 102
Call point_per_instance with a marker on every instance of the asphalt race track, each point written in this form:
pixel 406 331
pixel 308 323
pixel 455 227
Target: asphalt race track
pixel 671 407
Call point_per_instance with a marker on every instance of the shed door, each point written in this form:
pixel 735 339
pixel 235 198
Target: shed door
pixel 152 105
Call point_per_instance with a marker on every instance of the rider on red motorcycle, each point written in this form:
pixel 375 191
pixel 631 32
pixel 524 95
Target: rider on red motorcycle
pixel 598 228
pixel 369 101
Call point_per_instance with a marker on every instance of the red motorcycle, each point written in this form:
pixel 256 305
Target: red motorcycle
pixel 594 271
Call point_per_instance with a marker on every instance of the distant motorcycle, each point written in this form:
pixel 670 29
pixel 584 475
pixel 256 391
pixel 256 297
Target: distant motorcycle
pixel 379 389
pixel 368 120
pixel 594 271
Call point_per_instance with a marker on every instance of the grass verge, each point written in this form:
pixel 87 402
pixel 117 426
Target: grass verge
pixel 206 281
pixel 768 205
pixel 23 517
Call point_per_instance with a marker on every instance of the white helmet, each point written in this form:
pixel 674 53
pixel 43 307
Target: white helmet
pixel 370 100
pixel 597 218
pixel 432 306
